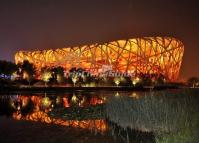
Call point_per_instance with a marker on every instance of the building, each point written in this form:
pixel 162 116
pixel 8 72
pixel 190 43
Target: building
pixel 148 55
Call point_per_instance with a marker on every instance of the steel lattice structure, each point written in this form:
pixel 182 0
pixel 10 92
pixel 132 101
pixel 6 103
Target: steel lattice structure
pixel 148 55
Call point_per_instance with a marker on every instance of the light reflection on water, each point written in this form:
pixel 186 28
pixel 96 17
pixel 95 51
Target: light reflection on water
pixel 37 107
pixel 130 115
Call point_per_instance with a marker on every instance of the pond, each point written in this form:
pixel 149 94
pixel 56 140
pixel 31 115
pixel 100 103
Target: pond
pixel 147 117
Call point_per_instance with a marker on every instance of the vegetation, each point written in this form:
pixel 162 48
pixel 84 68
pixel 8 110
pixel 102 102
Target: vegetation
pixel 46 75
pixel 172 117
pixel 7 68
pixel 57 74
pixel 168 116
pixel 76 113
pixel 193 82
pixel 6 106
pixel 27 71
pixel 81 77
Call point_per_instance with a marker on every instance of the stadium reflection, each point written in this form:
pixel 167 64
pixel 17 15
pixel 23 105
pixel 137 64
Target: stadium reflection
pixel 36 108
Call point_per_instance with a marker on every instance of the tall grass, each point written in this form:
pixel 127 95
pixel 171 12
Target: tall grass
pixel 171 116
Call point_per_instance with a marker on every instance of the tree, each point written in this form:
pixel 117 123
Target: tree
pixel 27 70
pixel 78 75
pixel 160 79
pixel 193 82
pixel 117 80
pixel 58 74
pixel 146 80
pixel 7 68
pixel 46 75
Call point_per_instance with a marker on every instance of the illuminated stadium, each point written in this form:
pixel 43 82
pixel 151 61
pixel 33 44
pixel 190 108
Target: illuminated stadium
pixel 148 55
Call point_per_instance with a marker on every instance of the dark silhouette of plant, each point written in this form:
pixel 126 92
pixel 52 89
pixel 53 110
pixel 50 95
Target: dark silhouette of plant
pixel 7 68
pixel 28 108
pixel 27 71
pixel 46 75
pixel 57 74
pixel 6 106
pixel 193 82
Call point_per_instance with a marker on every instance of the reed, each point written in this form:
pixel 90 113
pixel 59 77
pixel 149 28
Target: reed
pixel 169 115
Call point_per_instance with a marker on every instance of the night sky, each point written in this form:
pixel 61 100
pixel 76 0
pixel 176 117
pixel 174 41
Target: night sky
pixel 44 24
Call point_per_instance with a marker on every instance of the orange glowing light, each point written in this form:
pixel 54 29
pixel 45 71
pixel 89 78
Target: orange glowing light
pixel 39 115
pixel 154 55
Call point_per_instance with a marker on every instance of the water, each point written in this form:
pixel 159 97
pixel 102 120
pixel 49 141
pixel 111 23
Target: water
pixel 125 116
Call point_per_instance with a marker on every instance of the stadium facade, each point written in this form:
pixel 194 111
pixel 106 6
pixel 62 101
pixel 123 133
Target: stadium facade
pixel 148 55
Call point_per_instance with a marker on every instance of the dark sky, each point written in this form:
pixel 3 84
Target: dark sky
pixel 43 24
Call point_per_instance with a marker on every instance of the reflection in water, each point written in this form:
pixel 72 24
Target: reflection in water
pixel 41 116
pixel 134 95
pixel 131 117
pixel 117 94
pixel 36 108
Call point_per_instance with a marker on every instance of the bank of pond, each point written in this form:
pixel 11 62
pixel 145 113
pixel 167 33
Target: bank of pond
pixel 166 116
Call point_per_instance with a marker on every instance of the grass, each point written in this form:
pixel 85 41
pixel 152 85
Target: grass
pixel 173 117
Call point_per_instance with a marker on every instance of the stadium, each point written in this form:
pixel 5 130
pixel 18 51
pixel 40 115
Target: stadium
pixel 147 55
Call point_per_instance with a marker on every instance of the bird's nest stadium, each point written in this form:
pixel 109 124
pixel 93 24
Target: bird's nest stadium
pixel 147 55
